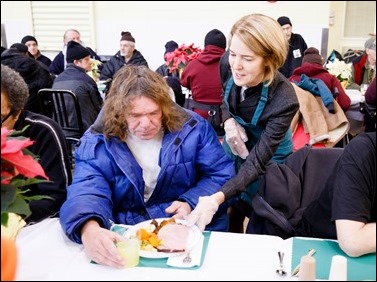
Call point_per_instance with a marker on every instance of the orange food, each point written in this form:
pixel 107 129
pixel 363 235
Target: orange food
pixel 154 240
pixel 142 234
pixel 8 259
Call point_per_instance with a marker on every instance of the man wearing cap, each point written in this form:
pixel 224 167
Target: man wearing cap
pixel 32 45
pixel 170 47
pixel 364 66
pixel 74 78
pixel 297 46
pixel 202 77
pixel 127 55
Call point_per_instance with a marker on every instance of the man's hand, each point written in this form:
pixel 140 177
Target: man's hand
pixel 203 213
pixel 236 137
pixel 99 244
pixel 179 209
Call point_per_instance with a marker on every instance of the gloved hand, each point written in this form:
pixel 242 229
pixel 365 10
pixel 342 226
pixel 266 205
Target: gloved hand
pixel 236 137
pixel 203 213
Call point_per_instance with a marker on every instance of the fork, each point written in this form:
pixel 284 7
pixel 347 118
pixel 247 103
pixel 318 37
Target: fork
pixel 187 258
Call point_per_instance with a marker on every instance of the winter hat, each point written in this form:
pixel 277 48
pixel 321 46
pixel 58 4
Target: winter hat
pixel 311 55
pixel 284 20
pixel 170 46
pixel 370 44
pixel 126 36
pixel 28 38
pixel 20 47
pixel 75 51
pixel 215 37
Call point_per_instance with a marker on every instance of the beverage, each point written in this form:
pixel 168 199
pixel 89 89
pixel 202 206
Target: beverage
pixel 129 250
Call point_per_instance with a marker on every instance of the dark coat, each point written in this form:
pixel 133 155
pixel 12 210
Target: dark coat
pixel 35 75
pixel 117 61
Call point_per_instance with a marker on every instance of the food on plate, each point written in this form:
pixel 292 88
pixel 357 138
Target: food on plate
pixel 166 236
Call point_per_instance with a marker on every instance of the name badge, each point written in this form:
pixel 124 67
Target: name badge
pixel 296 53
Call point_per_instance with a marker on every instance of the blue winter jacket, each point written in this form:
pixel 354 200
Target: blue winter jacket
pixel 108 184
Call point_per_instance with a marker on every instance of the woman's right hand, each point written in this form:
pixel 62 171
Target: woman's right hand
pixel 99 244
pixel 236 137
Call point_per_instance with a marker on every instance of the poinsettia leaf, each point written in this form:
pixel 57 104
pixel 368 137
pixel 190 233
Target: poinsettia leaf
pixel 21 182
pixel 4 218
pixel 8 194
pixel 19 206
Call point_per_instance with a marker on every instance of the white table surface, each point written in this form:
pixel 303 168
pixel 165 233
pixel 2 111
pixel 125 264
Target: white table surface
pixel 45 253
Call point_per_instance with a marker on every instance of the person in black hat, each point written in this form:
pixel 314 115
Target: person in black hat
pixel 74 77
pixel 127 55
pixel 170 47
pixel 202 77
pixel 59 63
pixel 297 46
pixel 32 45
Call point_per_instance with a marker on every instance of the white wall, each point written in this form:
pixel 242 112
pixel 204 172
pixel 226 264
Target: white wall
pixel 154 23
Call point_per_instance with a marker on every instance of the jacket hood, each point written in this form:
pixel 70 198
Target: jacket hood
pixel 211 54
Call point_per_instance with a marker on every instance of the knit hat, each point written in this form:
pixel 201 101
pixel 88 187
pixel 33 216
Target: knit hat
pixel 215 37
pixel 28 38
pixel 126 36
pixel 311 55
pixel 284 20
pixel 75 51
pixel 20 47
pixel 370 44
pixel 170 46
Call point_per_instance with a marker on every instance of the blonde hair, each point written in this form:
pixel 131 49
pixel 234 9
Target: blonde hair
pixel 265 38
pixel 134 81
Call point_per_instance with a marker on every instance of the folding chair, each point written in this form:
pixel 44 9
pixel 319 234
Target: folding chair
pixel 63 106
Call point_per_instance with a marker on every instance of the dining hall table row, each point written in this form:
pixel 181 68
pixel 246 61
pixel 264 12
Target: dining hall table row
pixel 46 254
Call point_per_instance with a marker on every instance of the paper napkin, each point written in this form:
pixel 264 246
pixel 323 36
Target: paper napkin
pixel 195 254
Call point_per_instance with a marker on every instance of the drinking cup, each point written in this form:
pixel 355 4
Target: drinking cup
pixel 129 250
pixel 338 269
pixel 307 268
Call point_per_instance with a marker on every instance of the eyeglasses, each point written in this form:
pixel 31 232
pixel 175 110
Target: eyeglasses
pixel 4 118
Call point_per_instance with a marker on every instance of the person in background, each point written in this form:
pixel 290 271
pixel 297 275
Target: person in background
pixel 297 46
pixel 346 208
pixel 202 77
pixel 144 158
pixel 32 45
pixel 33 72
pixel 312 66
pixel 258 105
pixel 49 145
pixel 75 78
pixel 163 70
pixel 59 63
pixel 370 94
pixel 364 66
pixel 127 55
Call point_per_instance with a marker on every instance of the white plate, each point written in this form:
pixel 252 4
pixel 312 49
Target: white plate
pixel 192 240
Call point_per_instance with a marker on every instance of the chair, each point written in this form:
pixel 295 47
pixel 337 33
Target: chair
pixel 63 106
pixel 287 189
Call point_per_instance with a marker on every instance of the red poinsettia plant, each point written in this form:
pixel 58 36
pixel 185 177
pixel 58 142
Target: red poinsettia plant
pixel 180 57
pixel 19 167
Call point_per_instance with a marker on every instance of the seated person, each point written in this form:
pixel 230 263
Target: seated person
pixel 312 66
pixel 364 66
pixel 144 158
pixel 32 45
pixel 59 63
pixel 49 145
pixel 127 55
pixel 163 70
pixel 346 208
pixel 33 72
pixel 75 78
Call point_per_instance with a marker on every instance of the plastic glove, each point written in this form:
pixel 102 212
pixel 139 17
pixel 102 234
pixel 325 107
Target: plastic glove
pixel 236 137
pixel 203 213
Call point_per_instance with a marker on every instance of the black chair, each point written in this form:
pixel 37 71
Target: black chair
pixel 63 106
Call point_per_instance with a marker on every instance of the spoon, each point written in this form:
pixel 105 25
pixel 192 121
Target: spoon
pixel 280 270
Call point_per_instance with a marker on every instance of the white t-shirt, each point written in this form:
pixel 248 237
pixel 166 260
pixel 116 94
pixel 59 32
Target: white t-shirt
pixel 146 153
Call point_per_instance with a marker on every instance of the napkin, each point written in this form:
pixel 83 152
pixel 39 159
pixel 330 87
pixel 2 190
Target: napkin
pixel 195 254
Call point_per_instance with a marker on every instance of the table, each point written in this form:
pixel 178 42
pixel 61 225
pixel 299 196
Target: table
pixel 45 253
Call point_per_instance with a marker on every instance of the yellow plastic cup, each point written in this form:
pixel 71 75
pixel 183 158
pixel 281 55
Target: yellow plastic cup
pixel 129 250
